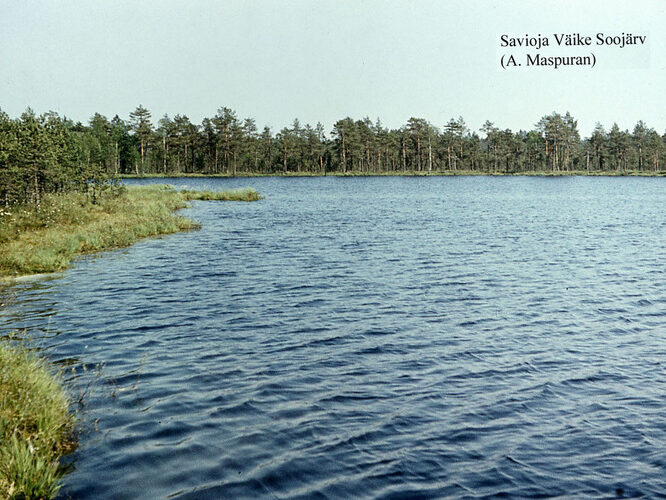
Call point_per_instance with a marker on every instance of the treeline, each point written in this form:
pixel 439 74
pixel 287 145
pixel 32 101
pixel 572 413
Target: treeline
pixel 46 153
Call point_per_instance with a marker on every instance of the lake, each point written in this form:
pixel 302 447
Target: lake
pixel 393 337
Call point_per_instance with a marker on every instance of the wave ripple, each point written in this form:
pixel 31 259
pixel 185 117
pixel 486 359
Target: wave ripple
pixel 378 337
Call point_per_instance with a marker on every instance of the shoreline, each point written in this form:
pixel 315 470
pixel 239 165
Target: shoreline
pixel 37 422
pixel 416 173
pixel 41 242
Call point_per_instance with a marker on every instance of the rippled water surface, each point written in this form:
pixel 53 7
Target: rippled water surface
pixel 377 337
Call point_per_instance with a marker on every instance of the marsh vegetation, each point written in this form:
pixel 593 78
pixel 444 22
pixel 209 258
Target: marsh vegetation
pixel 36 426
pixel 45 240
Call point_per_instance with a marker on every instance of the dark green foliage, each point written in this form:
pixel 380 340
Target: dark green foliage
pixel 143 130
pixel 227 145
pixel 49 154
pixel 52 154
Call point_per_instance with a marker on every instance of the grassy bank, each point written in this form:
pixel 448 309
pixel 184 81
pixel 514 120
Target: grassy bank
pixel 36 427
pixel 46 240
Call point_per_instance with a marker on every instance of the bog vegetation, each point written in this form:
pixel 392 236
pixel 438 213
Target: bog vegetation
pixel 58 199
pixel 46 240
pixel 35 425
pixel 68 224
pixel 49 153
pixel 59 194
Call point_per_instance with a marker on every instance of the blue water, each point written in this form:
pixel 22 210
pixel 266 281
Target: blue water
pixel 459 337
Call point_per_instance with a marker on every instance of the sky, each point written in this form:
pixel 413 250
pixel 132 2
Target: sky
pixel 323 60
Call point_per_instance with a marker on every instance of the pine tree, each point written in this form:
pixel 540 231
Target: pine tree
pixel 140 121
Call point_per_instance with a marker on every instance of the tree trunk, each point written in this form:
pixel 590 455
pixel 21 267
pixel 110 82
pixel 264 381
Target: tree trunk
pixel 37 197
pixel 117 159
pixel 429 155
pixel 344 153
pixel 284 157
pixel 461 148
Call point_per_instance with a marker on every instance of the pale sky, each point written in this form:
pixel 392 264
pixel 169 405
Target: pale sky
pixel 323 60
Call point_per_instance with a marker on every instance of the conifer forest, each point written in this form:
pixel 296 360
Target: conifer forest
pixel 48 153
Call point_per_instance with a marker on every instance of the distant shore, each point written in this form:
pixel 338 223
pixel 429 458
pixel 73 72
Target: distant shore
pixel 415 173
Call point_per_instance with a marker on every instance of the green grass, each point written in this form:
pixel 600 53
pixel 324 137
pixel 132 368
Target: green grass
pixel 36 426
pixel 44 241
pixel 242 194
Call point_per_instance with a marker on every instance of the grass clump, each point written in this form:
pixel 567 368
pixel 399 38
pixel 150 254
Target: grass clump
pixel 242 194
pixel 36 426
pixel 46 240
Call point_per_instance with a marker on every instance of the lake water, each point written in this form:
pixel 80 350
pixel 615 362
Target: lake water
pixel 458 337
